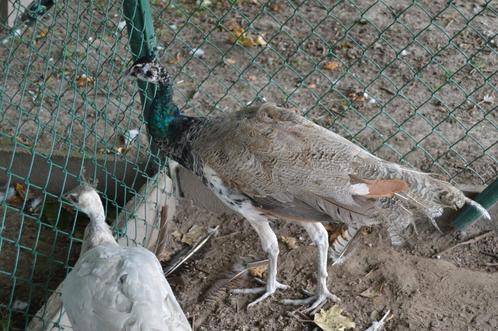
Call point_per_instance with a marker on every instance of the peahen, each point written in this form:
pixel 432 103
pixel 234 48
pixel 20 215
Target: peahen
pixel 115 288
pixel 266 162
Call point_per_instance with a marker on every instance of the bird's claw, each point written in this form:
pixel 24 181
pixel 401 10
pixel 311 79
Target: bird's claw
pixel 268 291
pixel 316 301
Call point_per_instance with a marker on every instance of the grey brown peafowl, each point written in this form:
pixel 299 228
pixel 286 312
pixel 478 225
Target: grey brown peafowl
pixel 116 288
pixel 266 162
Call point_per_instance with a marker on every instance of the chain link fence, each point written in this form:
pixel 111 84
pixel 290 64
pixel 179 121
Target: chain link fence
pixel 411 81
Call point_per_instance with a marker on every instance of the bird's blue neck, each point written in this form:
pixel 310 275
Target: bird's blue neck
pixel 162 112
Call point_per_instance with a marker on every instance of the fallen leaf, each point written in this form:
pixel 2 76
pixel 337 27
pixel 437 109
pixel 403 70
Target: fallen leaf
pixel 84 80
pixel 230 61
pixel 177 235
pixel 345 45
pixel 373 291
pixel 241 37
pixel 334 230
pixel 358 97
pixel 260 41
pixel 175 60
pixel 251 78
pixel 331 66
pixel 193 234
pixel 332 320
pixel 290 242
pixel 312 85
pixel 121 150
pixel 258 271
pixel 42 34
pixel 276 7
pixel 20 189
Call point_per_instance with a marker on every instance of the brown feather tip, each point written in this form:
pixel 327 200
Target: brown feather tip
pixel 377 188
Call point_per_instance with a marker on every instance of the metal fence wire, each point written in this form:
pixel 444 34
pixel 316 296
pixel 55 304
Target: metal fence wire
pixel 411 81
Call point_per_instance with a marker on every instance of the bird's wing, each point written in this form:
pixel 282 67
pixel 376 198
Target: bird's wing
pixel 113 288
pixel 290 165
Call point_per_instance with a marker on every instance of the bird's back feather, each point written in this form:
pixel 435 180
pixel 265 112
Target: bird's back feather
pixel 113 288
pixel 294 169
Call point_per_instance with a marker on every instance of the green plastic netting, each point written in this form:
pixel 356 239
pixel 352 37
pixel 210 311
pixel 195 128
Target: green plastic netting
pixel 412 81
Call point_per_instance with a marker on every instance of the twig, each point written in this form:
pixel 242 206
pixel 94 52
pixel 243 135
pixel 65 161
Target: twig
pixel 466 242
pixel 492 264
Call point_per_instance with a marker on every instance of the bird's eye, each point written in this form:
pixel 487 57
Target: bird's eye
pixel 73 198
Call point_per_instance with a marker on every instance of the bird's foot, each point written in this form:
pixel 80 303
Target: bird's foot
pixel 316 301
pixel 267 290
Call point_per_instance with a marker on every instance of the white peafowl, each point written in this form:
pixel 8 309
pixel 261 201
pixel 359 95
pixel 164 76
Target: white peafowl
pixel 267 162
pixel 115 288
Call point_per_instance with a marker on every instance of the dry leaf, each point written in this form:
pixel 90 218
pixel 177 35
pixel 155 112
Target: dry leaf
pixel 194 234
pixel 291 242
pixel 260 41
pixel 345 45
pixel 242 38
pixel 177 235
pixel 258 271
pixel 332 320
pixel 358 97
pixel 276 7
pixel 84 80
pixel 42 34
pixel 312 85
pixel 229 60
pixel 251 78
pixel 373 291
pixel 175 59
pixel 334 230
pixel 331 66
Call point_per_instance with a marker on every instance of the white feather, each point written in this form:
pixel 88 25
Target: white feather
pixel 113 288
pixel 360 189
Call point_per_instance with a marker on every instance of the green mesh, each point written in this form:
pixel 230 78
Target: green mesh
pixel 412 81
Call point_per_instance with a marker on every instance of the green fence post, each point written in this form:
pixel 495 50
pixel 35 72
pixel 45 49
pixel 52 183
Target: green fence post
pixel 142 38
pixel 469 214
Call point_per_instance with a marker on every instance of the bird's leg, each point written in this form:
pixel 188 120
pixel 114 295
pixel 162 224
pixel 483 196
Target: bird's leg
pixel 270 246
pixel 320 237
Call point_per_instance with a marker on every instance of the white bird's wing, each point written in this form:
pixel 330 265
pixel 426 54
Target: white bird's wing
pixel 113 288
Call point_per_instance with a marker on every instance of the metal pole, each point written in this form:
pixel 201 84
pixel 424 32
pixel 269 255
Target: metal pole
pixel 142 38
pixel 469 215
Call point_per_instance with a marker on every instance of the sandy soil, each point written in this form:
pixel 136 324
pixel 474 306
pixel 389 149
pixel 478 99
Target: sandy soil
pixel 455 292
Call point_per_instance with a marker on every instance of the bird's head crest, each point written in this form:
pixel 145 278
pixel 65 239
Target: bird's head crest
pixel 84 196
pixel 150 70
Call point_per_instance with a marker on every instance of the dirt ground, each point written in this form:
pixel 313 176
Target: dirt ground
pixel 429 73
pixel 455 292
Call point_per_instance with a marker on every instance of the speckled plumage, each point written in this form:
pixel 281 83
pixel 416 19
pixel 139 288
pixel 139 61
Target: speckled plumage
pixel 294 169
pixel 268 162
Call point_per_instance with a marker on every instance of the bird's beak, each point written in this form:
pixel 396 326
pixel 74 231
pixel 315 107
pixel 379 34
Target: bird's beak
pixel 68 198
pixel 65 197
